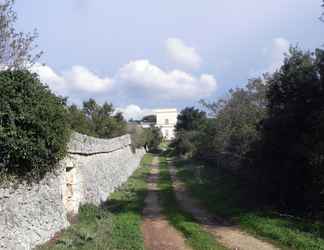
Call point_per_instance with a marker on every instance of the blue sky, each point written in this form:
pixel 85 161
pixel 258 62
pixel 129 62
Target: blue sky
pixel 142 54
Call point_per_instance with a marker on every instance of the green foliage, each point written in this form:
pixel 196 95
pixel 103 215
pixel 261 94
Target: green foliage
pixel 236 118
pixel 271 132
pixel 153 138
pixel 185 143
pixel 292 147
pixel 230 131
pixel 190 118
pixel 97 120
pixel 227 195
pixel 138 135
pixel 189 124
pixel 33 125
pixel 149 138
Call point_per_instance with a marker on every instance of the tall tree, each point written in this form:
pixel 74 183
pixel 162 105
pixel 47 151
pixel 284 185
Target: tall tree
pixel 292 152
pixel 16 48
pixel 97 120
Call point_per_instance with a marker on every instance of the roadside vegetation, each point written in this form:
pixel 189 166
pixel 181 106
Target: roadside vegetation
pixel 260 152
pixel 269 134
pixel 223 194
pixel 34 130
pixel 195 235
pixel 114 225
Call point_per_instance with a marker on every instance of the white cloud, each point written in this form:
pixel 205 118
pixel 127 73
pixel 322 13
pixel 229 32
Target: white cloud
pixel 50 77
pixel 274 55
pixel 280 47
pixel 78 78
pixel 137 79
pixel 175 84
pixel 83 79
pixel 134 112
pixel 182 54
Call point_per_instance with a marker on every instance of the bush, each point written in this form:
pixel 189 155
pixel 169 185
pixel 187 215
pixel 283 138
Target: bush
pixel 153 138
pixel 137 134
pixel 34 130
pixel 184 143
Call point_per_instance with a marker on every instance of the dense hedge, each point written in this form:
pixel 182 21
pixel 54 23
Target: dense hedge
pixel 34 130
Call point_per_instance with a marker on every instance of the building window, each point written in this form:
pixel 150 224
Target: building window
pixel 166 133
pixel 166 121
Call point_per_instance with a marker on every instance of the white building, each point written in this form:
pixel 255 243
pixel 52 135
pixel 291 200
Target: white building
pixel 166 119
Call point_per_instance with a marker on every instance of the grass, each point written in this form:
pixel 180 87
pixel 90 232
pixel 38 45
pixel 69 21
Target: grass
pixel 224 195
pixel 195 236
pixel 113 226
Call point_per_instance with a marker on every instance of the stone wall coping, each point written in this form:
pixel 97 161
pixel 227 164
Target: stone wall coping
pixel 87 145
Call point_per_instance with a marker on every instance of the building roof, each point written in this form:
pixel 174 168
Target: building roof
pixel 172 110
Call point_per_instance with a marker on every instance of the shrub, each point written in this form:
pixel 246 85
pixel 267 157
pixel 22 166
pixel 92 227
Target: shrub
pixel 137 134
pixel 34 130
pixel 153 137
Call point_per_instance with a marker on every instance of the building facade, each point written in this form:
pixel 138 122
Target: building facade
pixel 166 119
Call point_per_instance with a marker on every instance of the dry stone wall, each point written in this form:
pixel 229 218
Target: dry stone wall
pixel 31 215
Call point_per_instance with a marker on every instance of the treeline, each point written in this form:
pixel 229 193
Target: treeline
pixel 271 133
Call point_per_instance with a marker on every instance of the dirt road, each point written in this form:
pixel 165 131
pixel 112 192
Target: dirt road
pixel 229 236
pixel 158 233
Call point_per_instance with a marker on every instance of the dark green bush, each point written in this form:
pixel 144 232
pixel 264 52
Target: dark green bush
pixel 34 130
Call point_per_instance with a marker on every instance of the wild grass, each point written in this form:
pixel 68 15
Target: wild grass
pixel 113 226
pixel 224 195
pixel 195 235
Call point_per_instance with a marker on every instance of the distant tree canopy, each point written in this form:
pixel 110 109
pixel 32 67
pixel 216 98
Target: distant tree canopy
pixel 97 120
pixel 16 48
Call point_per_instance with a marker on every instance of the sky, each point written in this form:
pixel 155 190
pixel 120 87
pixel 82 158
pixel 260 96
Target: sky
pixel 141 55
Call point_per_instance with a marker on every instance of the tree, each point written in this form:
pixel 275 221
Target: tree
pixel 291 160
pixel 236 118
pixel 16 48
pixel 79 121
pixel 190 118
pixel 97 120
pixel 153 137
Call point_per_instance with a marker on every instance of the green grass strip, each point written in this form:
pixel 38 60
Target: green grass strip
pixel 195 235
pixel 222 195
pixel 115 225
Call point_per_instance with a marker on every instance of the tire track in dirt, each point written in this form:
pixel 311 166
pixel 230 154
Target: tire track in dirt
pixel 228 235
pixel 158 233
